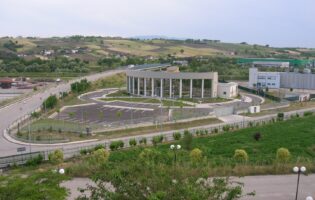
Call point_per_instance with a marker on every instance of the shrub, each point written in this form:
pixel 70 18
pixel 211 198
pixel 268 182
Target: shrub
pixel 283 155
pixel 257 136
pixel 50 102
pixel 206 132
pixel 143 141
pixel 196 155
pixel 226 128
pixel 149 155
pixel 280 116
pixel 35 160
pixel 116 145
pixel 187 140
pixel 177 136
pixel 197 132
pixel 157 139
pixel 216 130
pixel 100 156
pixel 97 147
pixel 132 142
pixel 308 113
pixel 56 157
pixel 240 155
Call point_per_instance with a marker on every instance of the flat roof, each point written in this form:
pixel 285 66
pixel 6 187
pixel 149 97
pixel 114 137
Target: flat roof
pixel 150 66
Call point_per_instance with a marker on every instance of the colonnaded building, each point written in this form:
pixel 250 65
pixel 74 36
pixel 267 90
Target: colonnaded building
pixel 166 81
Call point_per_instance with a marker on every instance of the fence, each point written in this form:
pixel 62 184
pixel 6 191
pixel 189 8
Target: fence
pixel 168 136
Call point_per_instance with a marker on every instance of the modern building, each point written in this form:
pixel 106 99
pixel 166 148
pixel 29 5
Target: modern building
pixel 271 64
pixel 227 90
pixel 165 82
pixel 276 80
pixel 259 79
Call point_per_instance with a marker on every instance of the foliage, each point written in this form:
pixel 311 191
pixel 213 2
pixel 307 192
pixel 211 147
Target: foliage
pixel 99 156
pixel 35 114
pixel 143 141
pixel 34 161
pixel 44 185
pixel 283 155
pixel 80 86
pixel 257 136
pixel 196 155
pixel 133 142
pixel 187 140
pixel 308 113
pixel 280 116
pixel 56 157
pixel 177 136
pixel 157 139
pixel 116 145
pixel 240 155
pixel 50 102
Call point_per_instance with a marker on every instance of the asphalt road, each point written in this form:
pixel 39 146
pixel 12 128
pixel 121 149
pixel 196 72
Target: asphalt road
pixel 17 110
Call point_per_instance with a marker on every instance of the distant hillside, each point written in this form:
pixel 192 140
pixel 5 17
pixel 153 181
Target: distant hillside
pixel 94 48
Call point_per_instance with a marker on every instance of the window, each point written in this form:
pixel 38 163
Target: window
pixel 261 77
pixel 224 93
pixel 272 78
pixel 273 84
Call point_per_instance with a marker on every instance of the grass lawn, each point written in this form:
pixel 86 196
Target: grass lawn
pixel 207 100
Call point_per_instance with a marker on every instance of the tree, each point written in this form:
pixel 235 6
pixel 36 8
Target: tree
pixel 177 136
pixel 132 142
pixel 56 157
pixel 240 155
pixel 187 140
pixel 196 155
pixel 50 102
pixel 182 51
pixel 100 156
pixel 283 155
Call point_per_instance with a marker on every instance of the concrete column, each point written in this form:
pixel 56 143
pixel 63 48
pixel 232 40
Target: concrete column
pixel 129 84
pixel 202 87
pixel 161 88
pixel 133 85
pixel 145 87
pixel 152 87
pixel 180 88
pixel 170 88
pixel 191 88
pixel 138 86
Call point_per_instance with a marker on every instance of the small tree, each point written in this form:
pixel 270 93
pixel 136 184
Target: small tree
pixel 100 156
pixel 187 140
pixel 196 155
pixel 177 136
pixel 50 102
pixel 143 141
pixel 240 155
pixel 157 139
pixel 257 136
pixel 133 142
pixel 56 157
pixel 283 155
pixel 280 116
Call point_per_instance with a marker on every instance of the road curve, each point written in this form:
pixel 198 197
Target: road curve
pixel 11 113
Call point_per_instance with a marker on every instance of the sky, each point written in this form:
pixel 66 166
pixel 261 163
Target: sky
pixel 280 23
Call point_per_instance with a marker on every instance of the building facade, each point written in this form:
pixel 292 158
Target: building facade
pixel 227 90
pixel 165 84
pixel 276 80
pixel 259 79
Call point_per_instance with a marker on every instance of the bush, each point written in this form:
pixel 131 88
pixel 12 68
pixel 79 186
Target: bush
pixel 116 145
pixel 280 116
pixel 240 155
pixel 187 140
pixel 283 155
pixel 143 141
pixel 56 157
pixel 216 130
pixel 196 155
pixel 257 136
pixel 97 147
pixel 226 128
pixel 149 155
pixel 177 136
pixel 308 113
pixel 132 142
pixel 37 160
pixel 50 102
pixel 100 156
pixel 157 139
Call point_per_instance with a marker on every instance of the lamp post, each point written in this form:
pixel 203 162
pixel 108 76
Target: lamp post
pixel 175 148
pixel 298 170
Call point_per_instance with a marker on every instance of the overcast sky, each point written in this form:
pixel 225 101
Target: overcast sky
pixel 274 22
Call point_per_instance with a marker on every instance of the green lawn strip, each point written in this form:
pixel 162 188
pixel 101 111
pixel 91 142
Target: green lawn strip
pixel 206 100
pixel 152 129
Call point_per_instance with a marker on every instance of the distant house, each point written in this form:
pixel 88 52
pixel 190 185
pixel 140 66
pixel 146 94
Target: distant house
pixel 181 62
pixel 6 83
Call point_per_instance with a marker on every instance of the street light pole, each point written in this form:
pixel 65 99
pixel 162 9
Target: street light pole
pixel 298 170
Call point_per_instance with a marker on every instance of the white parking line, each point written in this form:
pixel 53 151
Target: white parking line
pixel 130 108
